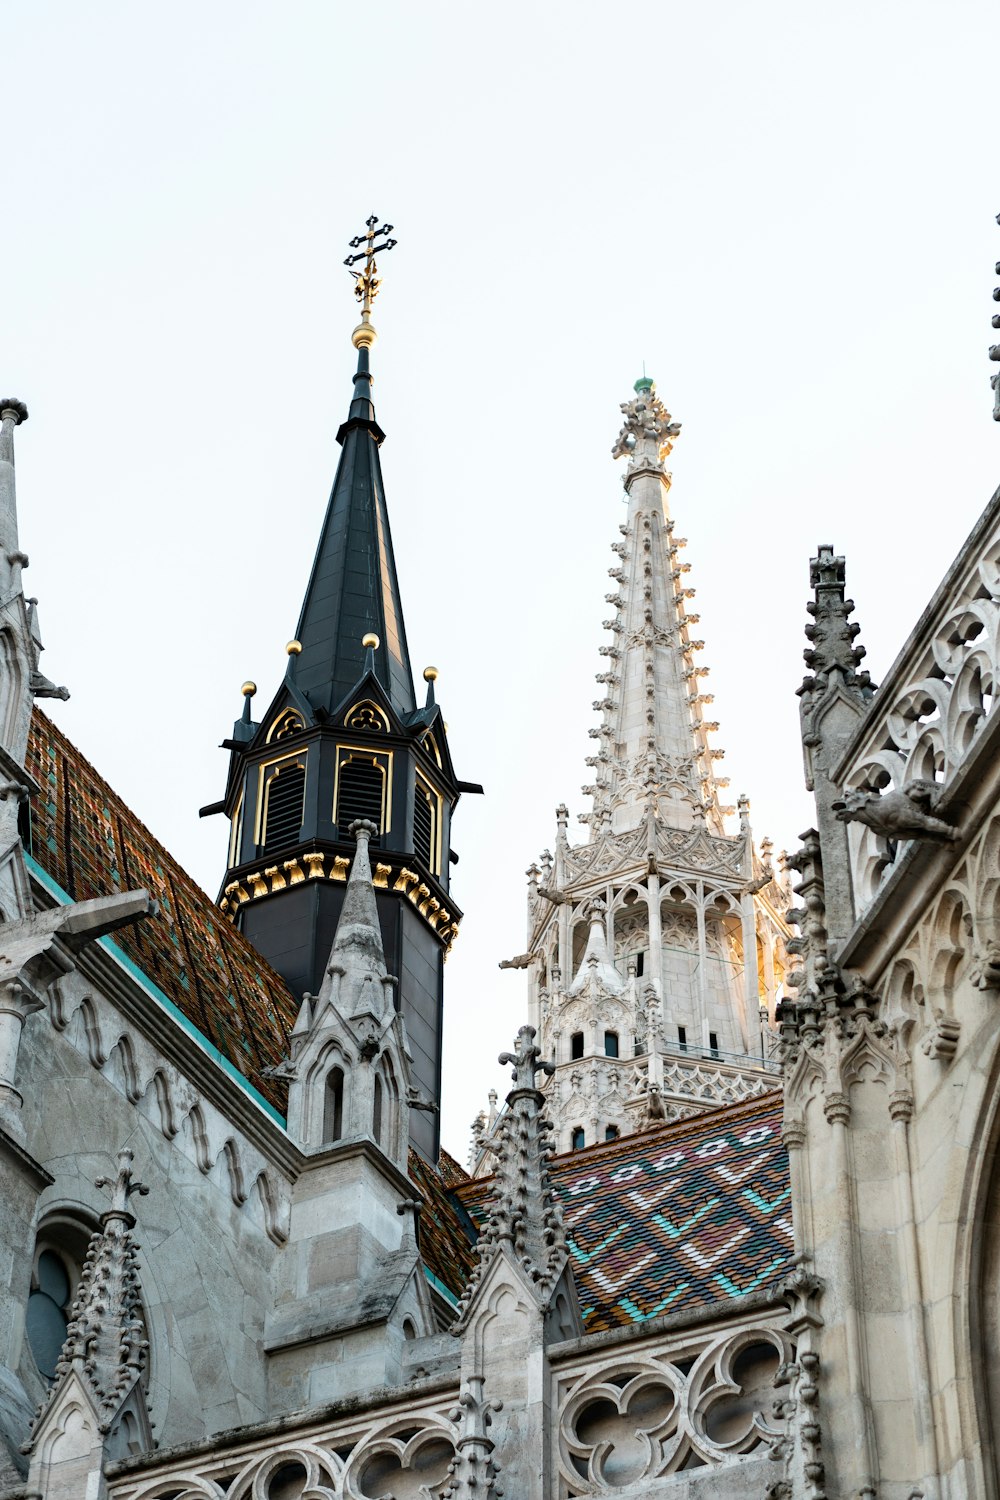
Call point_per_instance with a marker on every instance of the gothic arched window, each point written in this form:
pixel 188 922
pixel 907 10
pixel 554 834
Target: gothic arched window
pixel 611 1133
pixel 576 1046
pixel 579 1138
pixel 611 1044
pixel 377 1113
pixel 53 1286
pixel 333 1106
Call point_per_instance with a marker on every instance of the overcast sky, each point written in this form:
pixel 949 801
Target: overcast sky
pixel 785 210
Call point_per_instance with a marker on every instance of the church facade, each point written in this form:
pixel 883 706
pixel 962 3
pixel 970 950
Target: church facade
pixel 733 1231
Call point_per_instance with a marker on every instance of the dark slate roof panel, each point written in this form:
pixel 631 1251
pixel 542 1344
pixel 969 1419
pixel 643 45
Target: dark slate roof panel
pixel 91 844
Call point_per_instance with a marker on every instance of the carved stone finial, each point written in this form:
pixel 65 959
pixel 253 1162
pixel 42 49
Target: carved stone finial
pixel 122 1187
pixel 832 653
pixel 12 409
pixel 525 1060
pixel 473 1473
pixel 648 432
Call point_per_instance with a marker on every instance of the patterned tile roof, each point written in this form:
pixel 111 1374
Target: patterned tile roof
pixel 447 1235
pixel 89 842
pixel 691 1213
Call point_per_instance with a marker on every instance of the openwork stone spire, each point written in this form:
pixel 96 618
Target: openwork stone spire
pixel 525 1214
pixel 104 1344
pixel 654 757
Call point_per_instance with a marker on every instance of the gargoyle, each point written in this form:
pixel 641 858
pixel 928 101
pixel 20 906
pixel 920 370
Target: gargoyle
pixel 903 813
pixel 558 898
pixel 520 961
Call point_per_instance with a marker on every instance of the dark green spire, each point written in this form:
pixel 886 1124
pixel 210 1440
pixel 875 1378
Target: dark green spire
pixel 353 588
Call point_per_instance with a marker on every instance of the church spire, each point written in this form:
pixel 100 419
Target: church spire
pixel 341 740
pixel 353 590
pixel 654 737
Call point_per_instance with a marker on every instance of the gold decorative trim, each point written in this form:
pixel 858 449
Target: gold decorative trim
pixel 436 805
pixel 387 875
pixel 289 722
pixel 430 743
pixel 367 715
pixel 236 831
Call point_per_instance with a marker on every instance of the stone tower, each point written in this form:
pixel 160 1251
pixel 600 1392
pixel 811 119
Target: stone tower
pixel 344 739
pixel 656 949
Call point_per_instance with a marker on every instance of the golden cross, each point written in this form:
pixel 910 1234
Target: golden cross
pixel 366 281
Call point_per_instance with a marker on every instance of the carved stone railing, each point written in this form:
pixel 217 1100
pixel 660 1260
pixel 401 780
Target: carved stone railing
pixel 392 1451
pixel 629 1418
pixel 929 714
pixel 689 1087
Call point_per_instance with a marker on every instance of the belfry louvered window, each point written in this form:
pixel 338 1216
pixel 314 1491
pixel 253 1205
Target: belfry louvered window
pixel 360 791
pixel 284 797
pixel 427 825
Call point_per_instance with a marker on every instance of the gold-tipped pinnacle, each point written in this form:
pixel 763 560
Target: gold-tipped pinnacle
pixel 294 648
pixel 248 689
pixel 371 640
pixel 430 674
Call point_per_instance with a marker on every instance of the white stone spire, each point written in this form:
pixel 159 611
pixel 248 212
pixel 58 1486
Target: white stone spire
pixel 654 756
pixel 655 953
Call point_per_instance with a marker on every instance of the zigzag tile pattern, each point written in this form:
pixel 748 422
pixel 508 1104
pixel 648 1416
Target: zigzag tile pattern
pixel 675 1218
pixel 84 836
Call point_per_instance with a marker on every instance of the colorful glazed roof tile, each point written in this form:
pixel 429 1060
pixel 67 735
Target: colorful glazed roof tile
pixel 447 1235
pixel 90 844
pixel 689 1214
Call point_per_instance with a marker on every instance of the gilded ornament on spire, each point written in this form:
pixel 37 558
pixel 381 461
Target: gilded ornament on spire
pixel 367 280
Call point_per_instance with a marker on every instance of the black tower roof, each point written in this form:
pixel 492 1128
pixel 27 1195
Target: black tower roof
pixel 353 588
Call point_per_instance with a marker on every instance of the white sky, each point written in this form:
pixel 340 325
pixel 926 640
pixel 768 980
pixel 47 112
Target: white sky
pixel 785 210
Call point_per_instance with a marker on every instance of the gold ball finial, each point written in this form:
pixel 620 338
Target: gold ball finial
pixel 430 674
pixel 364 335
pixel 371 640
pixel 248 689
pixel 294 648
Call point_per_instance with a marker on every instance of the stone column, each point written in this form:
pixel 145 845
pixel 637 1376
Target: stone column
pixel 655 931
pixel 702 1001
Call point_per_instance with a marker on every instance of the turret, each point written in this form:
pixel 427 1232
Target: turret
pixel 343 739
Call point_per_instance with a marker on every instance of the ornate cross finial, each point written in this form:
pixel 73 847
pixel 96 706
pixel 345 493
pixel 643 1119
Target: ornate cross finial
pixel 366 281
pixel 525 1060
pixel 122 1187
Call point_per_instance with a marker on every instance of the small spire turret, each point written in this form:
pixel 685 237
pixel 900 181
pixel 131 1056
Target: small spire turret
pixel 525 1216
pixel 105 1347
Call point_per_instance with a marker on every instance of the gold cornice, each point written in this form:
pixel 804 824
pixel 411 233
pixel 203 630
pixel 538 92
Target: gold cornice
pixel 390 874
